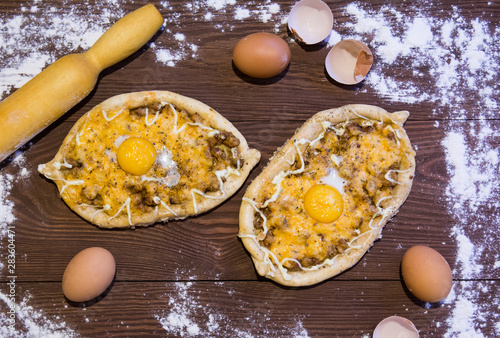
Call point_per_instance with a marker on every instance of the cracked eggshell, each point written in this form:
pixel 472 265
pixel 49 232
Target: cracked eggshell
pixel 349 61
pixel 394 327
pixel 311 21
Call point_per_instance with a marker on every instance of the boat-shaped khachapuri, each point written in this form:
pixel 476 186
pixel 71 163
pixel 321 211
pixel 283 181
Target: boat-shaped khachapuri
pixel 325 196
pixel 145 157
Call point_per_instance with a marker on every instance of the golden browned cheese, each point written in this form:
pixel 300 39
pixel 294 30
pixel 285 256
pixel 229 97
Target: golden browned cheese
pixel 367 158
pixel 190 153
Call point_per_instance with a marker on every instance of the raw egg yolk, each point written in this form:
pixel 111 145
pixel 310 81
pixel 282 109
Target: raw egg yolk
pixel 136 155
pixel 324 203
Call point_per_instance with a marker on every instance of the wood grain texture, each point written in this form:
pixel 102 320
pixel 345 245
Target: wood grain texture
pixel 200 259
pixel 58 227
pixel 333 309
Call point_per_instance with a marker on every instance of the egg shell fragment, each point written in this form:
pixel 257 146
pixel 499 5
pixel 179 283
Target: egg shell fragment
pixel 88 274
pixel 261 55
pixel 426 274
pixel 349 61
pixel 310 21
pixel 395 327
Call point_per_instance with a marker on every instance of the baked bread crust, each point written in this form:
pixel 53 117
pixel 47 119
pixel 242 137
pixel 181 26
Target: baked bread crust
pixel 265 264
pixel 201 202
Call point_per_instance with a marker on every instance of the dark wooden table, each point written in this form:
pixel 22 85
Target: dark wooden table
pixel 196 273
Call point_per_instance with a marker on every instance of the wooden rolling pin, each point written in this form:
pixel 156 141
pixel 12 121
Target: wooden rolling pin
pixel 67 81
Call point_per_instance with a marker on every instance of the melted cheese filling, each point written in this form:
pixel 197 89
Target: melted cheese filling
pixel 289 237
pixel 184 173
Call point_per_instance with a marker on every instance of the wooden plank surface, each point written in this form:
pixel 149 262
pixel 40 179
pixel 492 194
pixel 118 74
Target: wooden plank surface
pixel 196 271
pixel 333 309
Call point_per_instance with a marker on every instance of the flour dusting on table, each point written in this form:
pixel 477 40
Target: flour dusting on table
pixel 473 200
pixel 6 182
pixel 29 38
pixel 469 317
pixel 30 322
pixel 186 315
pixel 215 12
pixel 459 59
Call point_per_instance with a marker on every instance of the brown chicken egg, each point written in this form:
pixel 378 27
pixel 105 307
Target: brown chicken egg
pixel 88 274
pixel 426 274
pixel 261 55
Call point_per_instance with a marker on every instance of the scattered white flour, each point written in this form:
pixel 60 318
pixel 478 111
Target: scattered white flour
pixel 470 317
pixel 468 256
pixel 472 161
pixel 458 61
pixel 6 206
pixel 334 38
pixel 241 13
pixel 28 41
pixel 473 198
pixel 419 34
pixel 457 58
pixel 188 316
pixel 216 12
pixel 31 322
pixel 6 181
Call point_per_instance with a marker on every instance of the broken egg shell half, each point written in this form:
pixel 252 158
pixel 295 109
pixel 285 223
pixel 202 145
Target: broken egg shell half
pixel 394 327
pixel 349 61
pixel 310 21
